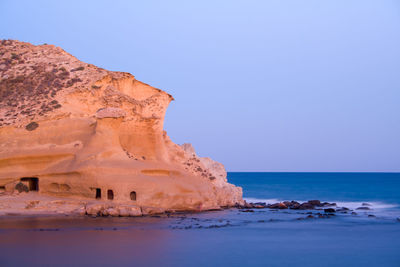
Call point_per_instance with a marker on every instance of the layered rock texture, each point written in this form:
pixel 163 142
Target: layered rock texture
pixel 71 129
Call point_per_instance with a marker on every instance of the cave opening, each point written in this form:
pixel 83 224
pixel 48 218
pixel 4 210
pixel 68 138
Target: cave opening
pixel 98 193
pixel 31 182
pixel 110 194
pixel 133 195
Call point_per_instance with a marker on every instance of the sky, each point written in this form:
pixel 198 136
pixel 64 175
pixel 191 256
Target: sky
pixel 258 85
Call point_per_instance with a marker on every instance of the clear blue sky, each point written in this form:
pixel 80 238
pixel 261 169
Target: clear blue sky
pixel 259 85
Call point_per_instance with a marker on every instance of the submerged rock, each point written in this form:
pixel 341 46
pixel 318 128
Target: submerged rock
pixel 362 208
pixel 247 211
pixel 329 210
pixel 342 209
pixel 306 206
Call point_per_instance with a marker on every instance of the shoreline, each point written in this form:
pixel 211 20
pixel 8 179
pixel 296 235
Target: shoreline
pixel 34 205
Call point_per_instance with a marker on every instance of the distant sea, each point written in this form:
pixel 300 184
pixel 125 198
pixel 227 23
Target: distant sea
pixel 260 237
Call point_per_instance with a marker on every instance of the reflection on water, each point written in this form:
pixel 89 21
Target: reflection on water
pixel 230 237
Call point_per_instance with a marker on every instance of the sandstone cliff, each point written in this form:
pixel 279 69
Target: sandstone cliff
pixel 71 129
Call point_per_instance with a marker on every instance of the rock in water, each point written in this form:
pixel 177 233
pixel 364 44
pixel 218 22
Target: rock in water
pixel 362 208
pixel 315 202
pixel 329 210
pixel 73 129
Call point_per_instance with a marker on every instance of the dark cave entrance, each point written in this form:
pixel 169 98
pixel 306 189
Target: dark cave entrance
pixel 98 193
pixel 31 182
pixel 110 194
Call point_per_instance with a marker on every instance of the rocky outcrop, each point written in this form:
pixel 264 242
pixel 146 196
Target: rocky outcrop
pixel 71 129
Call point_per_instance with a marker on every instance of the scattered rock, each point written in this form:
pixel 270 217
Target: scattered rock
pixel 95 209
pixel 247 211
pixel 363 208
pixel 371 216
pixel 306 206
pixel 259 205
pixel 366 204
pixel 314 202
pixel 111 212
pixel 343 209
pixel 327 204
pixel 32 204
pixel 152 210
pixel 354 213
pixel 280 205
pixel 329 210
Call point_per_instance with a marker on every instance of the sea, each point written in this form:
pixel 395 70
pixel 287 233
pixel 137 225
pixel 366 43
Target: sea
pixel 231 237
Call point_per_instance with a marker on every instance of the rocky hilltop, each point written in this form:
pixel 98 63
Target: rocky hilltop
pixel 75 131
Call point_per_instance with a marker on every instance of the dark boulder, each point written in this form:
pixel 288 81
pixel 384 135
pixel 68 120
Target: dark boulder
pixel 277 206
pixel 295 206
pixel 314 202
pixel 371 216
pixel 244 206
pixel 306 206
pixel 20 187
pixel 343 210
pixel 259 205
pixel 287 203
pixel 362 208
pixel 329 210
pixel 366 204
pixel 327 204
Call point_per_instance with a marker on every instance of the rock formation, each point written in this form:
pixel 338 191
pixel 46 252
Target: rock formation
pixel 74 130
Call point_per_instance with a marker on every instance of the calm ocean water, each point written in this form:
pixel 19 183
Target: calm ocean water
pixel 382 190
pixel 230 237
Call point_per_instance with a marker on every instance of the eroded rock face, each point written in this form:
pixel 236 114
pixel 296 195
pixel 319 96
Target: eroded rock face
pixel 86 132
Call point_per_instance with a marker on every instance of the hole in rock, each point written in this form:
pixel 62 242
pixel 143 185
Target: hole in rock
pixel 31 182
pixel 133 195
pixel 98 193
pixel 110 194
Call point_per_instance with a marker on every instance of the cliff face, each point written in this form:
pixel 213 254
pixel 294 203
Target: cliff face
pixel 72 129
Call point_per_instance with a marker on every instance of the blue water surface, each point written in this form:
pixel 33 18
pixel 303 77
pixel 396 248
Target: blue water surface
pixel 381 187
